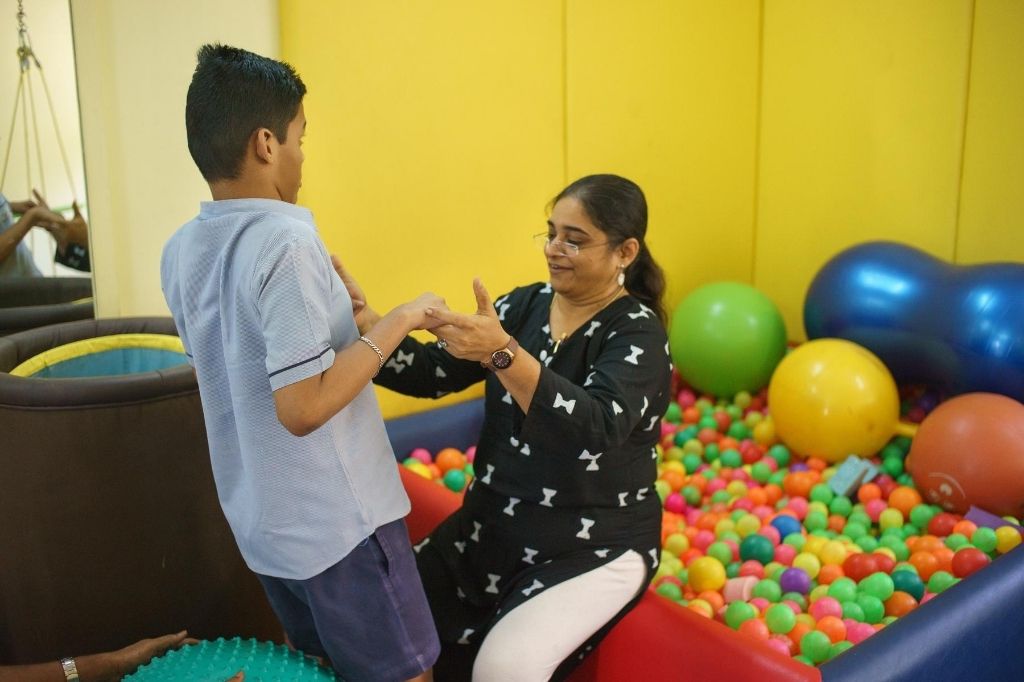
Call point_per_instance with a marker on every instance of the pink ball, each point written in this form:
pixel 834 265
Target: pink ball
pixel 762 511
pixel 874 508
pixel 753 568
pixel 714 485
pixel 777 645
pixel 798 505
pixel 793 606
pixel 826 606
pixel 692 516
pixel 770 532
pixel 667 428
pixel 772 465
pixel 744 503
pixel 760 603
pixel 675 503
pixel 703 539
pixel 785 554
pixel 423 455
pixel 471 453
pixel 686 398
pixel 928 596
pixel 858 632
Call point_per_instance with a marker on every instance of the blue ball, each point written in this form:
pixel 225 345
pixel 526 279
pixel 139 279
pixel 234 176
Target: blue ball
pixel 786 525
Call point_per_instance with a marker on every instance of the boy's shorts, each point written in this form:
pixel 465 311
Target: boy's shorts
pixel 367 613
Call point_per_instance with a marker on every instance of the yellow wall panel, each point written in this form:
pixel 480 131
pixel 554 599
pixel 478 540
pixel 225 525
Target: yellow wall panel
pixel 665 93
pixel 992 200
pixel 435 140
pixel 862 120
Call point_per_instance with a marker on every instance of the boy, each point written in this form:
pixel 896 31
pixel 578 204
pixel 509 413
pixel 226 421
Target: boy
pixel 304 470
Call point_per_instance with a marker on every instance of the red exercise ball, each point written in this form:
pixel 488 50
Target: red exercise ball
pixel 970 451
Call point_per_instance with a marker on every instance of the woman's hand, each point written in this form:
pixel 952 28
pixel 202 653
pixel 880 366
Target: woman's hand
pixel 471 337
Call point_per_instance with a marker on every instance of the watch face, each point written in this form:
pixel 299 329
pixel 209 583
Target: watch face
pixel 501 359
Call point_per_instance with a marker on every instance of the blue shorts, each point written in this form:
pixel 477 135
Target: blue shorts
pixel 367 613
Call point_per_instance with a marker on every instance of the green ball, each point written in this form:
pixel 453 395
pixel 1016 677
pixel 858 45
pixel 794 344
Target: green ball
pixel 897 545
pixel 821 492
pixel 815 521
pixel 777 478
pixel 722 496
pixel 815 645
pixel 840 505
pixel 761 472
pixel 768 589
pixel 757 547
pixel 673 413
pixel 921 514
pixel 872 608
pixel 941 581
pixel 691 494
pixel 732 458
pixel 779 618
pixel 780 453
pixel 858 516
pixel 720 551
pixel 838 648
pixel 909 582
pixel 867 542
pixel 738 613
pixel 455 479
pixel 669 590
pixel 795 597
pixel 892 451
pixel 843 589
pixel 893 466
pixel 956 540
pixel 738 430
pixel 691 462
pixel 712 452
pixel 903 443
pixel 732 570
pixel 984 539
pixel 854 530
pixel 854 611
pixel 727 337
pixel 878 585
pixel 469 470
pixel 663 489
pixel 707 422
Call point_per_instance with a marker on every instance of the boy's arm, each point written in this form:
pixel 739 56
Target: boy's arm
pixel 306 405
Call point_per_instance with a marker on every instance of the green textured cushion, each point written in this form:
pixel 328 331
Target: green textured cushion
pixel 218 660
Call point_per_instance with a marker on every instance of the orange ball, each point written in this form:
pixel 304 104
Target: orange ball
pixel 925 562
pixel 944 555
pixel 904 498
pixel 797 633
pixel 899 604
pixel 435 471
pixel 834 627
pixel 829 573
pixel 797 484
pixel 816 463
pixel 965 527
pixel 928 543
pixel 867 492
pixel 675 479
pixel 970 451
pixel 756 628
pixel 450 458
pixel 714 598
pixel 773 492
pixel 836 523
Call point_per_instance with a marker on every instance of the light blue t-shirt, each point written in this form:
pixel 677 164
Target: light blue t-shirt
pixel 20 263
pixel 259 306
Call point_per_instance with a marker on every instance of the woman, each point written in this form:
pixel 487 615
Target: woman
pixel 558 535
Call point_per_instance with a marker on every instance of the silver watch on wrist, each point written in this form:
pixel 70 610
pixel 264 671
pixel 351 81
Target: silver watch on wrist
pixel 69 668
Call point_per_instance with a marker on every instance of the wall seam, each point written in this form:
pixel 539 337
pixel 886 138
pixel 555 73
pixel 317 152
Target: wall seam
pixel 963 135
pixel 758 125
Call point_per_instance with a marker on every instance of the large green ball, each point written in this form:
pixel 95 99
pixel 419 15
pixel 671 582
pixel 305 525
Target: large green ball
pixel 727 337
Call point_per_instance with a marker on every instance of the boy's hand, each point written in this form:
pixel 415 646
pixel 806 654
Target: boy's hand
pixel 22 207
pixel 420 305
pixel 362 312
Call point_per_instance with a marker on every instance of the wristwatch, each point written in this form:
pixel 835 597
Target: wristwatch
pixel 502 359
pixel 69 668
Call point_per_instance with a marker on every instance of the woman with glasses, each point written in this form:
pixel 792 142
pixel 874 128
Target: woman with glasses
pixel 559 533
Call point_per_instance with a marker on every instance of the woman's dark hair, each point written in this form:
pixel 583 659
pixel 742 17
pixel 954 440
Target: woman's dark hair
pixel 234 93
pixel 618 208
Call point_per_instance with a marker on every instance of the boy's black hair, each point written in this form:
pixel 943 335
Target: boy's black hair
pixel 234 93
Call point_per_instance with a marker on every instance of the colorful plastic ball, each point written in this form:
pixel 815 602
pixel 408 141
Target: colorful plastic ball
pixel 780 618
pixel 833 398
pixel 815 645
pixel 878 585
pixel 449 458
pixel 418 467
pixel 423 455
pixel 909 582
pixel 853 611
pixel 872 607
pixel 833 627
pixel 1007 537
pixel 970 451
pixel 826 606
pixel 860 565
pixel 809 563
pixel 706 573
pixel 858 632
pixel 768 589
pixel 941 581
pixel 843 590
pixel 968 560
pixel 727 337
pixel 737 613
pixel 674 503
pixel 785 524
pixel 757 548
pixel 455 480
pixel 795 580
pixel 669 591
pixel 756 628
pixel 899 604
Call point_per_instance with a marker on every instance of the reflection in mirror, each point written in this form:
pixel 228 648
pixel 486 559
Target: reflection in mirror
pixel 44 245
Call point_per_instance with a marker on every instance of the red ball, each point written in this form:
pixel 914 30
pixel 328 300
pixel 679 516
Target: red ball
pixel 708 436
pixel 861 565
pixel 885 563
pixel 942 524
pixel 968 560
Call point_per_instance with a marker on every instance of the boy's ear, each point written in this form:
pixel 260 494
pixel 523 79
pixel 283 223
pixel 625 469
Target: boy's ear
pixel 264 145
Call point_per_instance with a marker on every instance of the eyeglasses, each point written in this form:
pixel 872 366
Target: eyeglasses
pixel 543 241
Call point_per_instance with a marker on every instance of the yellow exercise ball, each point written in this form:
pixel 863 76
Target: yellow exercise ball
pixel 832 398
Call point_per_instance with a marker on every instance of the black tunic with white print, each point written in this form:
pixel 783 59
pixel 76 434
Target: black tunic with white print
pixel 561 490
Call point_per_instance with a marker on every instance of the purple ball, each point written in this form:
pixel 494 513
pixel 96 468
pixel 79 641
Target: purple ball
pixel 795 580
pixel 798 466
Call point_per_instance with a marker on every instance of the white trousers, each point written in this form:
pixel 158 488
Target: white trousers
pixel 531 641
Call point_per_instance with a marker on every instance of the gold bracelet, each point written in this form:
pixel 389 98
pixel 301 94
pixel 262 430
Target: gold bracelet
pixel 376 350
pixel 69 668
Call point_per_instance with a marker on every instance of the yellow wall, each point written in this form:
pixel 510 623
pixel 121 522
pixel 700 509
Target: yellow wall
pixel 134 60
pixel 767 135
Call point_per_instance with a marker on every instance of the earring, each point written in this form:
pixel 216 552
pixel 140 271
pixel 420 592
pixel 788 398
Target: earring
pixel 622 275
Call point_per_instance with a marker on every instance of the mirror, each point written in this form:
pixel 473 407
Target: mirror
pixel 40 139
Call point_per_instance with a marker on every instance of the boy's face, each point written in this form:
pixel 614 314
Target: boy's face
pixel 289 174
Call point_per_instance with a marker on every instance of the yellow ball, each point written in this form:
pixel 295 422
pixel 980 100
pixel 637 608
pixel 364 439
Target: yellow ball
pixel 814 544
pixel 816 594
pixel 706 573
pixel 807 619
pixel 724 526
pixel 764 432
pixel 886 551
pixel 808 562
pixel 748 524
pixel 675 465
pixel 833 553
pixel 736 488
pixel 702 607
pixel 419 468
pixel 833 398
pixel 1007 537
